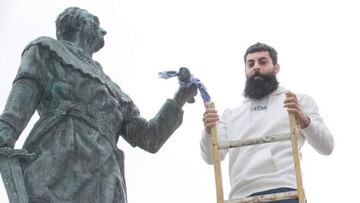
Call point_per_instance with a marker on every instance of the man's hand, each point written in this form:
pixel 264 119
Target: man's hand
pixel 291 104
pixel 185 93
pixel 210 117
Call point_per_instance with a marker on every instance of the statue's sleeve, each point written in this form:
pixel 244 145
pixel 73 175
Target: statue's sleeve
pixel 151 135
pixel 24 96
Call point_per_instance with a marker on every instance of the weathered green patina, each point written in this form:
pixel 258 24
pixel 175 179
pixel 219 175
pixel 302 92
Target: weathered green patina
pixel 82 114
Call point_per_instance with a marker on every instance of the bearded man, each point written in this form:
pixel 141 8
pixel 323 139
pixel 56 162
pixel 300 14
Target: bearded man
pixel 82 114
pixel 266 168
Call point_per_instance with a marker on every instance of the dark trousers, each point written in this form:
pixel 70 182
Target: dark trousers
pixel 277 190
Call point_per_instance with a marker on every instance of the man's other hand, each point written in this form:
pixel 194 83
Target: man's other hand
pixel 291 104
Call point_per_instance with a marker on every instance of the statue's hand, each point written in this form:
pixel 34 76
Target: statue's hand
pixel 7 138
pixel 185 93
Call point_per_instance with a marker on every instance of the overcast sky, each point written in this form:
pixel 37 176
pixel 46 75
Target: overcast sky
pixel 318 47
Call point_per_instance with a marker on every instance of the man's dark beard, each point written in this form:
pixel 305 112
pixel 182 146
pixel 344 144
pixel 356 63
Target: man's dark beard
pixel 257 89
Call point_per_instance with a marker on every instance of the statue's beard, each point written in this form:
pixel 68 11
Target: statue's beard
pixel 257 89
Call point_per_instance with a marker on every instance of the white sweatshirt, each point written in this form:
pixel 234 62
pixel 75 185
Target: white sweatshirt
pixel 262 167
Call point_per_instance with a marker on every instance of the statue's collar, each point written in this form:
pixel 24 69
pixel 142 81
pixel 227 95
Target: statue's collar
pixel 78 51
pixel 73 55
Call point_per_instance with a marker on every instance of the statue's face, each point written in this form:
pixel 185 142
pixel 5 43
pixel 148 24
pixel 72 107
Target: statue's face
pixel 93 33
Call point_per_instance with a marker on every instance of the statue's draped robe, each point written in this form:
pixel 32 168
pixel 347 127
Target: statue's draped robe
pixel 82 114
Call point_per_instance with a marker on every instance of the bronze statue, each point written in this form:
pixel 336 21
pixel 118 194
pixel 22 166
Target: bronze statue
pixel 82 114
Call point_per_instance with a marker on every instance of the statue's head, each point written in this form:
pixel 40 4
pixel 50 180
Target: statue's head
pixel 75 24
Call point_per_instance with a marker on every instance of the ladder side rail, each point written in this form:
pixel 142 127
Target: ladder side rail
pixel 296 157
pixel 217 161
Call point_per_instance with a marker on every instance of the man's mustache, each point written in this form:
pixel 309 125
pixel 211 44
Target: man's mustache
pixel 257 74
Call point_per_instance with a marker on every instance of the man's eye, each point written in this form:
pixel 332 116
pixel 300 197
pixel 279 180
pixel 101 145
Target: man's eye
pixel 250 63
pixel 262 62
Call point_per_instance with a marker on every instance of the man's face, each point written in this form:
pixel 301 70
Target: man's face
pixel 260 75
pixel 259 63
pixel 93 32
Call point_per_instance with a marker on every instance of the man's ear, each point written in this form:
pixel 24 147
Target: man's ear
pixel 277 68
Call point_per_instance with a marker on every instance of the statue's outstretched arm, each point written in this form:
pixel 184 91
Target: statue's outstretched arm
pixel 151 135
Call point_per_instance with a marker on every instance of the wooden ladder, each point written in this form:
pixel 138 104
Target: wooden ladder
pixel 216 146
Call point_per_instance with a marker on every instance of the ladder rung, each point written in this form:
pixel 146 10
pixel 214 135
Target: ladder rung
pixel 261 140
pixel 266 198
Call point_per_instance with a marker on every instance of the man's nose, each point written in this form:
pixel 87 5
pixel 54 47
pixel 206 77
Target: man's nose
pixel 256 67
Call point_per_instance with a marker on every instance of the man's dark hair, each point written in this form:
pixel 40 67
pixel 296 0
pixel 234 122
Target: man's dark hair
pixel 69 21
pixel 262 47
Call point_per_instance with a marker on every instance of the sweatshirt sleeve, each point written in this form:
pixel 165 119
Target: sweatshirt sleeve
pixel 316 134
pixel 205 142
